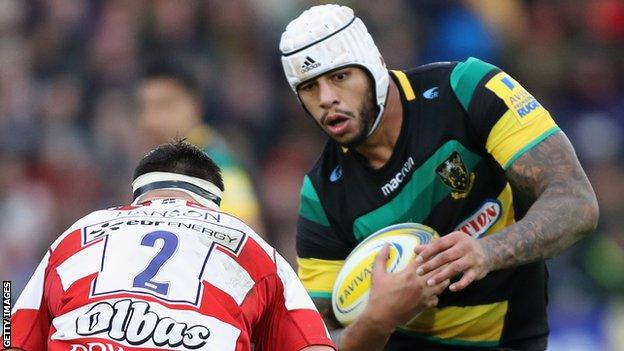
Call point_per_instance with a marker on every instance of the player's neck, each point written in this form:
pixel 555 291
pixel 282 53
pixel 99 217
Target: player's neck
pixel 378 147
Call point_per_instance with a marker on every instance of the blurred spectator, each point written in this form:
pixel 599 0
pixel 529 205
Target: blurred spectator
pixel 69 130
pixel 170 105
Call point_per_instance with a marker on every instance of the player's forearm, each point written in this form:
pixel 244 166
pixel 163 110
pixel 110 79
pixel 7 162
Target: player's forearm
pixel 564 206
pixel 363 334
pixel 549 227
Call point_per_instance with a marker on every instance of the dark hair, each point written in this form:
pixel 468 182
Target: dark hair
pixel 169 69
pixel 182 157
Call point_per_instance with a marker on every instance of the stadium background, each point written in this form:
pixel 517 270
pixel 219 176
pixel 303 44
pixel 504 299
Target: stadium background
pixel 68 70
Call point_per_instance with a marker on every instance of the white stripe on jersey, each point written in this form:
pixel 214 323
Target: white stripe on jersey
pixel 33 292
pixel 295 295
pixel 237 223
pixel 229 276
pixel 81 264
pixel 133 322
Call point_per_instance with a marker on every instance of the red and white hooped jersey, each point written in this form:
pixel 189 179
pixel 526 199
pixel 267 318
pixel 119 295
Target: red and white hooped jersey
pixel 167 274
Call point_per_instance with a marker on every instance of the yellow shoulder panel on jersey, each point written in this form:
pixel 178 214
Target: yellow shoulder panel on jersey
pixel 525 124
pixel 405 85
pixel 318 276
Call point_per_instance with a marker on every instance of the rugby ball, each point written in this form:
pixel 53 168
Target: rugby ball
pixel 351 289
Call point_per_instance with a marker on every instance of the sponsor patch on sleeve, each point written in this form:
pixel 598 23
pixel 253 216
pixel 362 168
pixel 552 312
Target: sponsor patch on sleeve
pixel 523 105
pixel 482 219
pixel 523 125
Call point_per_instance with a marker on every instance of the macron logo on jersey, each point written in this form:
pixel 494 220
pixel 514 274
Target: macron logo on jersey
pixel 398 178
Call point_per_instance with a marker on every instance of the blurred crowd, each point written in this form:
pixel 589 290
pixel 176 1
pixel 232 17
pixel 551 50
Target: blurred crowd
pixel 69 139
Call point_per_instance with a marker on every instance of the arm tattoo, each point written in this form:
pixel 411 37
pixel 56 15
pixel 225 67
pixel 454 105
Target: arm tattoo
pixel 563 206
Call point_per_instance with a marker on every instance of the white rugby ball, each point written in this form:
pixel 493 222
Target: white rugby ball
pixel 351 289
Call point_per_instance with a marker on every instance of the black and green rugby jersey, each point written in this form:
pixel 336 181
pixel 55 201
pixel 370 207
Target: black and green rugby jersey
pixel 463 125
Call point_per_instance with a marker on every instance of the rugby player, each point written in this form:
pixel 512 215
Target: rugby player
pixel 459 146
pixel 169 271
pixel 170 105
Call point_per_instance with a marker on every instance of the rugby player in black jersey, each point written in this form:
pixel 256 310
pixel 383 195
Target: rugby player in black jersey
pixel 458 146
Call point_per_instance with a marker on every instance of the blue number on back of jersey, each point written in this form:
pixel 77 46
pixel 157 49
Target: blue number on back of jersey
pixel 170 244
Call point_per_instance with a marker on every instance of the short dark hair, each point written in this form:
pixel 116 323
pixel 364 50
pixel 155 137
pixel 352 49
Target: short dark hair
pixel 182 157
pixel 169 69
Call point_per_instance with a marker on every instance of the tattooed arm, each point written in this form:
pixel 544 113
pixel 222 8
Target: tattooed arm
pixel 564 205
pixel 563 209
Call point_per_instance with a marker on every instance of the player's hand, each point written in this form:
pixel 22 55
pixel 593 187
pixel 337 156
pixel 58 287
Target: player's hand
pixel 460 252
pixel 397 297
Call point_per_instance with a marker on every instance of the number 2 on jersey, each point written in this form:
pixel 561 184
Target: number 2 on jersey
pixel 170 244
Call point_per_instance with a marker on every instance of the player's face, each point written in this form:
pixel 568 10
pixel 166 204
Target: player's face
pixel 341 102
pixel 166 110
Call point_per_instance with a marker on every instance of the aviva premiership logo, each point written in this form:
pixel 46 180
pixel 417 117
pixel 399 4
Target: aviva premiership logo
pixel 355 287
pixel 454 174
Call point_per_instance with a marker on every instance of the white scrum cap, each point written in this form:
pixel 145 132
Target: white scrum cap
pixel 328 37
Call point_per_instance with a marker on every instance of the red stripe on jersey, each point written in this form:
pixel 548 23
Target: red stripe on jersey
pixel 253 259
pixel 29 328
pixel 283 329
pixel 54 295
pixel 70 245
pixel 311 326
pixel 227 310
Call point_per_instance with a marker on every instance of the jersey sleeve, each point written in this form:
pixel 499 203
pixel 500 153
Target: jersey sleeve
pixel 508 120
pixel 290 322
pixel 30 318
pixel 320 252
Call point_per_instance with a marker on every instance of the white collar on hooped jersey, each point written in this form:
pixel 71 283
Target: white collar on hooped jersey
pixel 202 191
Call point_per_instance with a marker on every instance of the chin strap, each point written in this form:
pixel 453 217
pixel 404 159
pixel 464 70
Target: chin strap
pixel 377 121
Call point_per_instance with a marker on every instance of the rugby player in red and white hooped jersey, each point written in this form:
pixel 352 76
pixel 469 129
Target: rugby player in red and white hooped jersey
pixel 169 271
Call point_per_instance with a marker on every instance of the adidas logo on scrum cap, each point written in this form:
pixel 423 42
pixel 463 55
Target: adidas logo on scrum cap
pixel 309 64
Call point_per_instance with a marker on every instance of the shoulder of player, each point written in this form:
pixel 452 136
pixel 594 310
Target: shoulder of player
pixel 430 71
pixel 462 76
pixel 467 76
pixel 315 186
pixel 430 81
pixel 91 218
pixel 325 164
pixel 432 68
pixel 237 224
